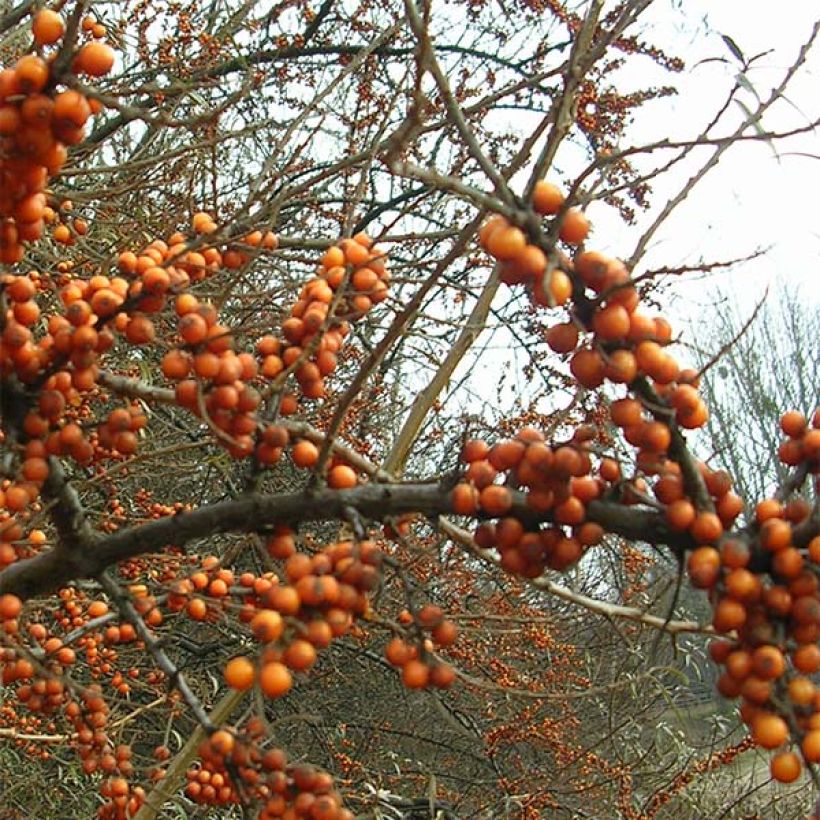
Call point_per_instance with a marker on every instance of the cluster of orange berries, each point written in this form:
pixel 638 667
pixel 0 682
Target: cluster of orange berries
pixel 43 690
pixel 122 799
pixel 764 589
pixel 282 789
pixel 323 594
pixel 419 669
pixel 37 122
pixel 211 378
pixel 352 277
pixel 40 688
pixel 556 481
pixel 767 593
pixel 803 440
pixel 522 262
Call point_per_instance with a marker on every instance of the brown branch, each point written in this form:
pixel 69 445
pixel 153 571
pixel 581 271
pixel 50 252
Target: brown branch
pixel 175 677
pixel 15 16
pixel 252 513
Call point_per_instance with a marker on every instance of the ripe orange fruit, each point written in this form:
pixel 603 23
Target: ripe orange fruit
pixel 442 675
pixel 680 514
pixel 769 731
pixel 574 227
pixel 626 412
pixel 704 567
pixel 275 679
pixel 415 674
pixel 506 242
pixel 801 691
pixel 588 368
pixel 547 198
pixel 775 534
pixel 611 322
pixel 495 500
pixel 10 607
pixel 728 615
pixel 787 563
pixel 793 423
pixel 560 286
pixel 47 27
pixel 563 338
pixel 300 655
pixel 481 473
pixel 505 455
pixel 464 499
pixel 197 609
pixel 768 662
pixel 397 652
pixel 785 767
pixel 341 477
pixel 267 625
pixel 814 549
pixel 811 746
pixel 240 673
pixel 95 59
pixel 32 73
pixel 305 454
pixel 706 527
pixel 768 508
pixel 530 262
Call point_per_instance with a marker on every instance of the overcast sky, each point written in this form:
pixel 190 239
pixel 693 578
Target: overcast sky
pixel 753 198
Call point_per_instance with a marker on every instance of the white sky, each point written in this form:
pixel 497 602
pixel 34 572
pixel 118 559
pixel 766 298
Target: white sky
pixel 751 199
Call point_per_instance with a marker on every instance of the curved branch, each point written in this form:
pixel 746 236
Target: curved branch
pixel 252 513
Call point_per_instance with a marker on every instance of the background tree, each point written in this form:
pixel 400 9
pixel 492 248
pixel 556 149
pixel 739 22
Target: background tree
pixel 786 324
pixel 328 442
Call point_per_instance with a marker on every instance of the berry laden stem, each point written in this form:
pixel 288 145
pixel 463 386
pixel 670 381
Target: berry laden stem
pixel 55 568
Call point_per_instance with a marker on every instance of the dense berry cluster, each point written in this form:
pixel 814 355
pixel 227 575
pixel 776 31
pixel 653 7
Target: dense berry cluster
pixel 234 764
pixel 763 579
pixel 39 118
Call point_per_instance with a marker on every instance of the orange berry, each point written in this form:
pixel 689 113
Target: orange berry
pixel 305 454
pixel 547 198
pixel 267 625
pixel 563 338
pixel 240 673
pixel 10 607
pixel 341 477
pixel 275 679
pixel 806 658
pixel 810 746
pixel 574 227
pixel 680 514
pixel 415 674
pixel 785 767
pixel 495 500
pixel 706 528
pixel 300 655
pixel 588 368
pixel 728 615
pixel 32 73
pixel 775 534
pixel 95 59
pixel 464 499
pixel 768 662
pixel 703 566
pixel 506 242
pixel 769 731
pixel 793 423
pixel 47 27
pixel 768 508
